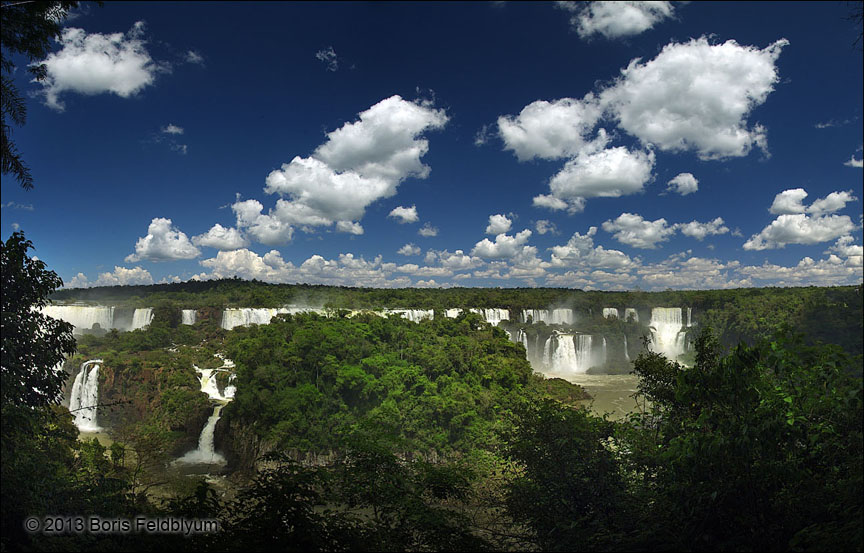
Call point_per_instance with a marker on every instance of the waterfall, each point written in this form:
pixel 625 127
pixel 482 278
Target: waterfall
pixel 603 361
pixel 82 317
pixel 568 353
pixel 667 331
pixel 631 311
pixel 188 316
pixel 206 453
pixel 626 353
pixel 522 338
pixel 85 396
pixel 413 315
pixel 244 316
pixel 493 316
pixel 555 316
pixel 141 318
pixel 610 313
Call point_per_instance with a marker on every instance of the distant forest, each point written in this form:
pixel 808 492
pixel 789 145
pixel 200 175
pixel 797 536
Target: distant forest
pixel 827 314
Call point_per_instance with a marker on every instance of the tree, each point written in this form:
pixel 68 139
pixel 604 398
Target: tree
pixel 27 30
pixel 33 343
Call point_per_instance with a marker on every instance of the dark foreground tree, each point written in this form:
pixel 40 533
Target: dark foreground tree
pixel 32 344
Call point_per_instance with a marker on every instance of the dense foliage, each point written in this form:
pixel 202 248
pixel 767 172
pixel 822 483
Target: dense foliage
pixel 305 380
pixel 758 450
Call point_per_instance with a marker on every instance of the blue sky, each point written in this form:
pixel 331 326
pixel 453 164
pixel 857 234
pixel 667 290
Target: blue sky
pixel 588 145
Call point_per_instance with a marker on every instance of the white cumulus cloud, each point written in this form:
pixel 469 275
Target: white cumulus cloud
pixel 221 238
pixel 163 242
pixel 98 63
pixel 504 246
pixel 683 183
pixel 409 249
pixel 360 163
pixel 609 173
pixel 835 201
pixel 544 226
pixel 696 96
pixel 121 276
pixel 789 202
pixel 428 230
pixel 549 130
pixel 498 224
pixel 633 230
pixel 405 214
pixel 853 162
pixel 699 230
pixel 580 251
pixel 800 228
pixel 616 19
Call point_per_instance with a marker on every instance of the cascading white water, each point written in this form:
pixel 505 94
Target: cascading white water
pixel 610 313
pixel 84 398
pixel 413 315
pixel 244 316
pixel 188 316
pixel 493 316
pixel 603 360
pixel 522 338
pixel 82 317
pixel 141 318
pixel 626 353
pixel 667 331
pixel 568 353
pixel 559 316
pixel 206 452
pixel 628 312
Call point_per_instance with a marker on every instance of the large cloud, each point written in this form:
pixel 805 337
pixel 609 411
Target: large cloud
pixel 633 230
pixel 580 251
pixel 795 225
pixel 696 96
pixel 549 130
pixel 699 230
pixel 789 202
pixel 360 163
pixel 498 224
pixel 163 243
pixel 405 214
pixel 221 238
pixel 683 183
pixel 616 19
pixel 96 63
pixel 608 173
pixel 800 229
pixel 503 247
